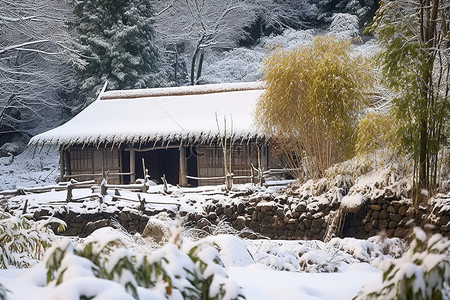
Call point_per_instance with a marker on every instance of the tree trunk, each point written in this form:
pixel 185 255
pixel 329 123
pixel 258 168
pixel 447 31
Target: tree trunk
pixel 200 65
pixel 194 59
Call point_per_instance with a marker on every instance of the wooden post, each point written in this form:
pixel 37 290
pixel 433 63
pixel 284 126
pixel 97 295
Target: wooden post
pixel 132 166
pixel 183 167
pixel 260 171
pixel 61 165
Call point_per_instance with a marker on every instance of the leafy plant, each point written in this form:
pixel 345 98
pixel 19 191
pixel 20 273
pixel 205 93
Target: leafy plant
pixel 167 271
pixel 422 273
pixel 23 241
pixel 209 276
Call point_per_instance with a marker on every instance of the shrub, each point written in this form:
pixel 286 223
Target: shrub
pixel 167 271
pixel 23 241
pixel 422 273
pixel 313 98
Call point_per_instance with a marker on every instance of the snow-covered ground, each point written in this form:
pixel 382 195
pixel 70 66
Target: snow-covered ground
pixel 263 269
pixel 256 266
pixel 29 169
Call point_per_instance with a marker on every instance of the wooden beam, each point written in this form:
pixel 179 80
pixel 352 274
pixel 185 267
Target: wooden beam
pixel 132 166
pixel 183 167
pixel 61 165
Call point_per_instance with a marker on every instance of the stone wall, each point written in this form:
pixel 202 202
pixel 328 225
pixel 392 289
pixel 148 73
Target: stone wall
pixel 83 224
pixel 280 216
pixel 285 217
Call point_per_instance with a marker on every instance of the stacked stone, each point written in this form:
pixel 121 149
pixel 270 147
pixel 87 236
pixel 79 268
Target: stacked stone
pixel 282 217
pixel 385 212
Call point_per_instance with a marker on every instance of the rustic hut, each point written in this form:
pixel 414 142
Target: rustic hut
pixel 172 131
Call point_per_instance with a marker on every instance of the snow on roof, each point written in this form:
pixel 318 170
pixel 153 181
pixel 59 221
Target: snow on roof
pixel 191 114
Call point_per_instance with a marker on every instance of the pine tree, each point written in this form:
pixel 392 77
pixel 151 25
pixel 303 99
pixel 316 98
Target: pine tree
pixel 115 38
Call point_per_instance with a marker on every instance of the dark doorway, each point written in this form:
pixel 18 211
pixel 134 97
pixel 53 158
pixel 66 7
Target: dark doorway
pixel 191 157
pixel 159 162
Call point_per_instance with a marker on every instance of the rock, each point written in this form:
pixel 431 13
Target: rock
pixel 384 215
pixel 301 207
pixel 157 230
pixel 375 214
pixel 395 217
pixel 383 224
pixel 239 223
pixel 368 227
pixel 219 210
pixel 240 208
pixel 373 232
pixel 375 207
pixel 227 211
pixel 391 209
pixel 261 216
pixel 402 210
pixel 307 223
pixel 280 213
pixel 267 208
pixel 212 216
pixel 392 224
pixel 302 226
pixel 254 225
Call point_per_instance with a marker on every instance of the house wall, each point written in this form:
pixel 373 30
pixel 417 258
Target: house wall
pixel 90 163
pixel 210 162
pixel 86 163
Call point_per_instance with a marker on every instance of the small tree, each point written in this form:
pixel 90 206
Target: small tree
pixel 312 100
pixel 415 61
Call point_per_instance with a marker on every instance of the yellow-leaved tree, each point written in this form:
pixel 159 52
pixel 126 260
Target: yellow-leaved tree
pixel 312 101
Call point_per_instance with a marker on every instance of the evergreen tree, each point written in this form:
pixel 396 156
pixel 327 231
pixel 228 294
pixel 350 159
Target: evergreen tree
pixel 115 38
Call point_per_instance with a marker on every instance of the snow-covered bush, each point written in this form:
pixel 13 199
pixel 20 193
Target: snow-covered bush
pixel 166 273
pixel 344 26
pixel 237 65
pixel 23 241
pixel 422 273
pixel 210 278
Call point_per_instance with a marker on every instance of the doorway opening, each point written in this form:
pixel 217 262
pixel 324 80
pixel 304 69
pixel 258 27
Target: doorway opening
pixel 159 162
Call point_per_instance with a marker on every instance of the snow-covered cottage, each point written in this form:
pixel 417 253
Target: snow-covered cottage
pixel 172 131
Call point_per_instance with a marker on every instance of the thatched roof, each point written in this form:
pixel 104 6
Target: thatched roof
pixel 187 114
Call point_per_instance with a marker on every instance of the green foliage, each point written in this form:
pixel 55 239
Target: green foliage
pixel 415 63
pixel 210 272
pixel 423 273
pixel 167 271
pixel 312 100
pixel 116 40
pixel 23 241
